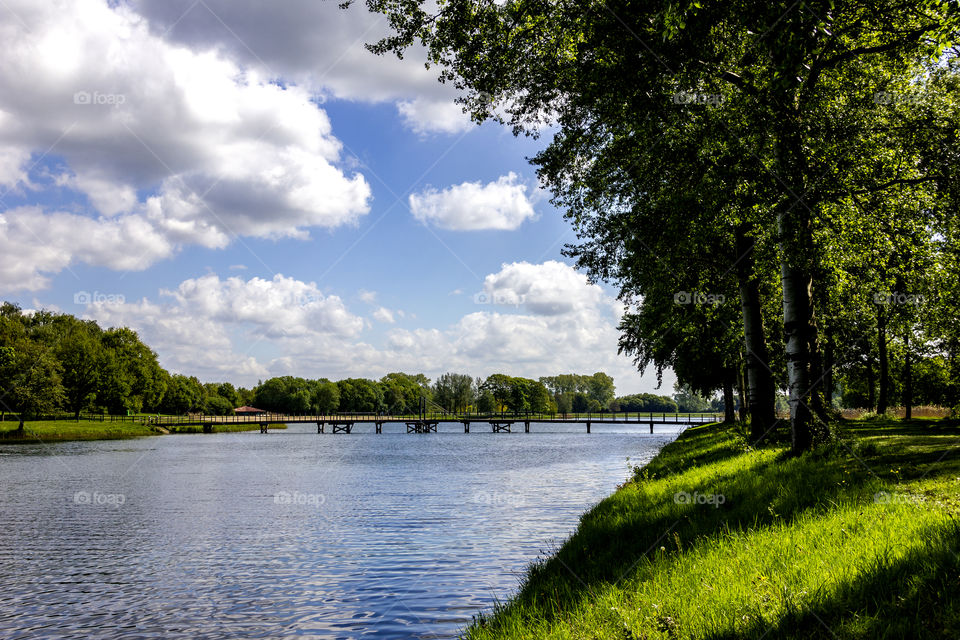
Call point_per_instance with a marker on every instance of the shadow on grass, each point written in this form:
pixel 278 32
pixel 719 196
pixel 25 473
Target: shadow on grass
pixel 623 533
pixel 913 598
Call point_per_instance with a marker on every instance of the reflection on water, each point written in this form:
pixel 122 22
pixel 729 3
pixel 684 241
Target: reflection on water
pixel 290 533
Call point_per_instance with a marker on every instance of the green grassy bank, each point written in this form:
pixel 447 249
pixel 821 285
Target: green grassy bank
pixel 65 430
pixel 715 539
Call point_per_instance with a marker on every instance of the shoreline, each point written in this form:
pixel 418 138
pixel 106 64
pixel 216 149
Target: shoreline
pixel 717 539
pixel 49 431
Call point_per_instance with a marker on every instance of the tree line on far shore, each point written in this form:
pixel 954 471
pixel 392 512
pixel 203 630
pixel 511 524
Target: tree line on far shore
pixel 54 363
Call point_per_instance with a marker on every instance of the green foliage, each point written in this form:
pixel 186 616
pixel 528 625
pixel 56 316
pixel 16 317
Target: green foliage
pixel 454 391
pixel 647 402
pixel 824 133
pixel 518 394
pixel 360 395
pixel 689 401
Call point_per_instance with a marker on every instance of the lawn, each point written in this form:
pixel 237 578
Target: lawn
pixel 716 539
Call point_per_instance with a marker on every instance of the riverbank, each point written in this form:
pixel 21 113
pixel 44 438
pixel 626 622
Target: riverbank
pixel 715 539
pixel 68 430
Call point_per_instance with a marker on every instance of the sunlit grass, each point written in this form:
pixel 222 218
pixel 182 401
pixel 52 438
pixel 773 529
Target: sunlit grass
pixel 714 539
pixel 64 430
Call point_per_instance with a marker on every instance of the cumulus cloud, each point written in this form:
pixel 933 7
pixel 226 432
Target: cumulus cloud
pixel 317 45
pixel 384 315
pixel 186 146
pixel 550 288
pixel 472 206
pixel 208 325
pixel 246 330
pixel 34 243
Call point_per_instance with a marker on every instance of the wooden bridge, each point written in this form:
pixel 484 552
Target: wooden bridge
pixel 428 422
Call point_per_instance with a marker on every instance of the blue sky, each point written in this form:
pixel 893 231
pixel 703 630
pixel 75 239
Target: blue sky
pixel 257 195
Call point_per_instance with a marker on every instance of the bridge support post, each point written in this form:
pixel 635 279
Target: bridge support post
pixel 263 427
pixel 319 427
pixel 651 427
pixel 466 426
pixel 588 426
pixel 526 426
pixel 379 427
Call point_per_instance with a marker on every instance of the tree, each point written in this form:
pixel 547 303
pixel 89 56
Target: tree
pixel 30 380
pixel 133 379
pixel 80 354
pixel 788 86
pixel 326 397
pixel 689 401
pixel 184 395
pixel 402 392
pixel 360 395
pixel 486 403
pixel 454 391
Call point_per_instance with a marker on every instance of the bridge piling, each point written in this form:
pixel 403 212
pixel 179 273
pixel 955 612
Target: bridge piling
pixel 319 427
pixel 588 426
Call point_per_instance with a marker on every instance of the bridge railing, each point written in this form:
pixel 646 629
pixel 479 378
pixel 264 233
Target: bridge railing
pixel 607 416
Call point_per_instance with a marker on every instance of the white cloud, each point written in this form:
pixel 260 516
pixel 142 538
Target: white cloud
pixel 550 288
pixel 185 146
pixel 425 116
pixel 384 315
pixel 34 243
pixel 316 45
pixel 208 326
pixel 212 328
pixel 280 307
pixel 472 206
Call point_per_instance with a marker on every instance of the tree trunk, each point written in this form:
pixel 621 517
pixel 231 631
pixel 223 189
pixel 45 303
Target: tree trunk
pixel 760 389
pixel 828 370
pixel 729 415
pixel 871 395
pixel 883 399
pixel 796 325
pixel 907 380
pixel 741 395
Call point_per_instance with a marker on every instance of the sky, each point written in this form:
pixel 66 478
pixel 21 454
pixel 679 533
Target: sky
pixel 256 194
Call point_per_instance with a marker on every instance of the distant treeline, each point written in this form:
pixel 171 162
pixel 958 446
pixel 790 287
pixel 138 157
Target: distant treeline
pixel 55 362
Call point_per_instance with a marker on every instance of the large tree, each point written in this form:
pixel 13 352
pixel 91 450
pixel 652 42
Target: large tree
pixel 792 82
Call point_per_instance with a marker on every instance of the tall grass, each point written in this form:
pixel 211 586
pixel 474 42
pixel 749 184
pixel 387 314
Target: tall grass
pixel 715 539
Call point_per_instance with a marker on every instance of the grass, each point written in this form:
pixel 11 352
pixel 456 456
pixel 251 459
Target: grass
pixel 715 539
pixel 65 430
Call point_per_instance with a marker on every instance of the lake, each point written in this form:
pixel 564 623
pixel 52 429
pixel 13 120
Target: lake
pixel 292 533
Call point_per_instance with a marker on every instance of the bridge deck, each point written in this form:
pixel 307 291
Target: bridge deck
pixel 343 423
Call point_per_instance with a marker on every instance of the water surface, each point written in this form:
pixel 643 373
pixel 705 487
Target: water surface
pixel 291 533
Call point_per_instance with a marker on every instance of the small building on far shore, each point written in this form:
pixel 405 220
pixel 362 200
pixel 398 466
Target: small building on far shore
pixel 249 411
